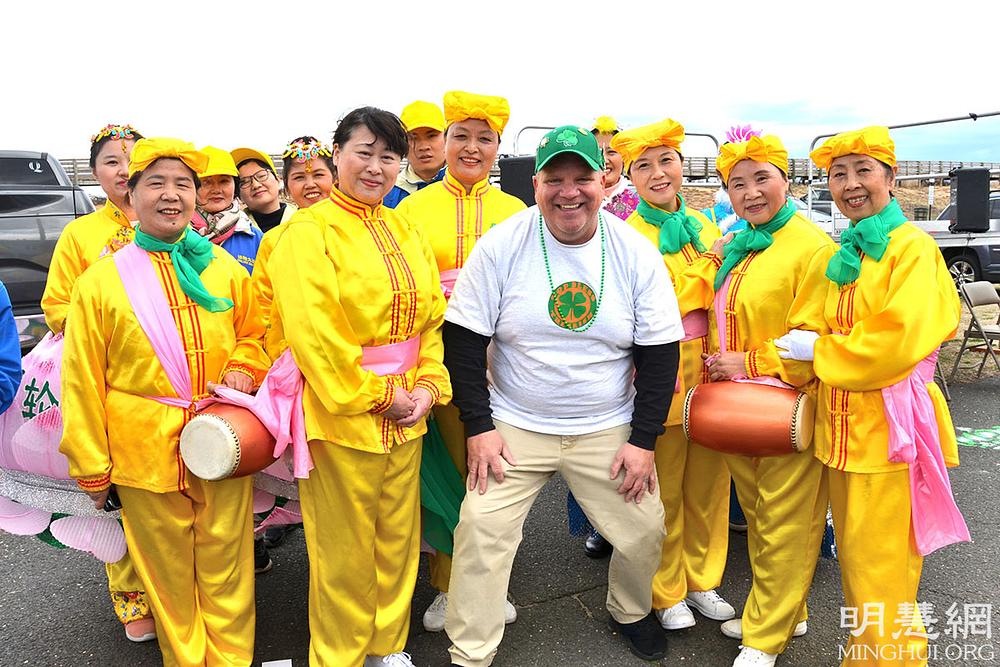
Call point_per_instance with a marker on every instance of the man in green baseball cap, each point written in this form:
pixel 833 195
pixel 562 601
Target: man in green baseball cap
pixel 569 139
pixel 581 323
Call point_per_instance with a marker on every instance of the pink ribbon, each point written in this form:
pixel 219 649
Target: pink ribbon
pixel 278 402
pixel 392 359
pixel 695 326
pixel 448 279
pixel 914 439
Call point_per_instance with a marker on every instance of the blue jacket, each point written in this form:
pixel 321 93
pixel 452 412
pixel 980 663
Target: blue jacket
pixel 243 246
pixel 398 194
pixel 10 352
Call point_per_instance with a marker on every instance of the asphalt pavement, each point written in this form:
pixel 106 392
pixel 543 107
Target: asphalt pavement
pixel 54 608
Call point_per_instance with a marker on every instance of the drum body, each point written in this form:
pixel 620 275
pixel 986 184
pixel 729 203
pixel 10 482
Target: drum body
pixel 749 418
pixel 225 441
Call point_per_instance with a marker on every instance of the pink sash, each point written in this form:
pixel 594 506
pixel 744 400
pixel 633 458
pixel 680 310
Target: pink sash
pixel 392 359
pixel 278 402
pixel 695 326
pixel 914 439
pixel 448 279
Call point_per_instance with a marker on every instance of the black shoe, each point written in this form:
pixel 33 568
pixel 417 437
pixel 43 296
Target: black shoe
pixel 275 535
pixel 645 637
pixel 596 546
pixel 261 559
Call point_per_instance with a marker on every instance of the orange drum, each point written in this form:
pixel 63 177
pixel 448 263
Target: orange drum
pixel 749 419
pixel 225 441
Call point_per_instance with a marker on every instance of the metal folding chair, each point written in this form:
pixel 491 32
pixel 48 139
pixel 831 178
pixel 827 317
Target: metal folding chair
pixel 981 293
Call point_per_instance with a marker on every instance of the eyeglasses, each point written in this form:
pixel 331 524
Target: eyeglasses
pixel 260 177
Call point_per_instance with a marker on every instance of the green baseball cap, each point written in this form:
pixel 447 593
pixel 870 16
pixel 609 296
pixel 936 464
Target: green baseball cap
pixel 569 139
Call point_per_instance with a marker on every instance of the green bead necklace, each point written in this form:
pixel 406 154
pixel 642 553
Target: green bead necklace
pixel 573 304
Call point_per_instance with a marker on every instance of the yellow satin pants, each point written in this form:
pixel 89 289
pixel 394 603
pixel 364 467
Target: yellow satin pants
pixel 193 550
pixel 127 596
pixel 361 517
pixel 453 434
pixel 879 567
pixel 785 500
pixel 694 487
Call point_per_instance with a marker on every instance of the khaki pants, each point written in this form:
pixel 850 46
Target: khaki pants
pixel 490 530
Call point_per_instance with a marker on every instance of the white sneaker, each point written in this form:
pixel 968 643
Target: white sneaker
pixel 734 629
pixel 434 616
pixel 751 657
pixel 395 660
pixel 677 617
pixel 509 613
pixel 711 605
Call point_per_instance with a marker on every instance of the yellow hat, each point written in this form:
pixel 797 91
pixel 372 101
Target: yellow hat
pixel 767 148
pixel 631 143
pixel 459 105
pixel 241 155
pixel 422 114
pixel 872 141
pixel 220 163
pixel 605 125
pixel 147 151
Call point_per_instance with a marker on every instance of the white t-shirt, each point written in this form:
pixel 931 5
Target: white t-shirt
pixel 545 377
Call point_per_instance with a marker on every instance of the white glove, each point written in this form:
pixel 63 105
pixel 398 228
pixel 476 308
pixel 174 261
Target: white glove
pixel 797 344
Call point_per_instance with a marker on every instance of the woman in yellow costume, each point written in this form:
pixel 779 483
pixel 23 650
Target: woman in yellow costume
pixel 358 300
pixel 453 213
pixel 188 305
pixel 693 481
pixel 883 428
pixel 768 282
pixel 83 242
pixel 308 175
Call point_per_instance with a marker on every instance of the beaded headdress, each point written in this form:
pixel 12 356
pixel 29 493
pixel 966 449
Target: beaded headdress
pixel 305 150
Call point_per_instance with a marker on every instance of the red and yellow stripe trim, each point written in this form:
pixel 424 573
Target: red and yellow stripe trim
pixel 94 484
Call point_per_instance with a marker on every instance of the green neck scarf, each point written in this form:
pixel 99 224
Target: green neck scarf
pixel 190 255
pixel 752 239
pixel 868 235
pixel 677 229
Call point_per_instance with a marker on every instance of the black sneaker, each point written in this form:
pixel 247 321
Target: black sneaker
pixel 645 637
pixel 261 559
pixel 275 535
pixel 596 546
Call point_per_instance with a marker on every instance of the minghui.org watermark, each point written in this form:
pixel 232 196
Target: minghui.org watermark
pixel 915 632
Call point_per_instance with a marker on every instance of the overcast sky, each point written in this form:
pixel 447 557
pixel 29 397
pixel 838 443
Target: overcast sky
pixel 260 73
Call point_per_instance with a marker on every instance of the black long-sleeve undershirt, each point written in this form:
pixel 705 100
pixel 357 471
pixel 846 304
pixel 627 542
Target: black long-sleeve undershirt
pixel 655 375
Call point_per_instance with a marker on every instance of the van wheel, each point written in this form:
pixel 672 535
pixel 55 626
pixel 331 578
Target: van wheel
pixel 964 268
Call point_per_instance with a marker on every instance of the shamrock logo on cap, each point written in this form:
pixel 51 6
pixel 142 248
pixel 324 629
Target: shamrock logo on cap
pixel 568 138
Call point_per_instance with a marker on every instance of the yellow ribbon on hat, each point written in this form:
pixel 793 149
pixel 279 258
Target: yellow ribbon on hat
pixel 872 141
pixel 460 105
pixel 767 148
pixel 630 144
pixel 220 163
pixel 147 151
pixel 605 125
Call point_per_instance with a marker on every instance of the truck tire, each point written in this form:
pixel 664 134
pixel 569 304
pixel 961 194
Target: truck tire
pixel 964 268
